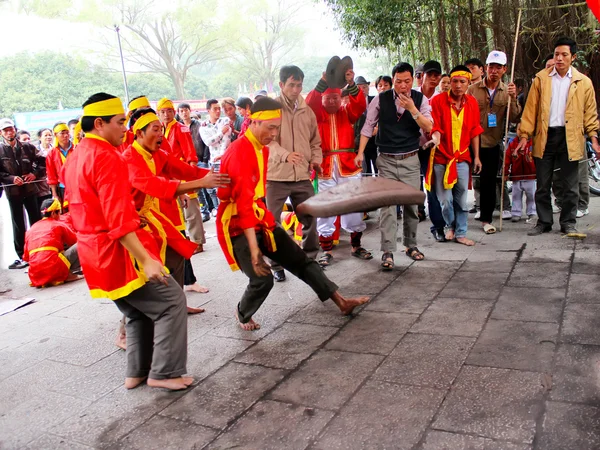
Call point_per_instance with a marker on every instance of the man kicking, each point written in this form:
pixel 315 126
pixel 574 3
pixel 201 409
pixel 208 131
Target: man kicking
pixel 246 228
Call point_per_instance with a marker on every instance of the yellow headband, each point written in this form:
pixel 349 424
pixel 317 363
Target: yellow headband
pixel 462 73
pixel 145 120
pixel 55 206
pixel 138 103
pixel 76 132
pixel 164 103
pixel 60 127
pixel 266 115
pixel 110 107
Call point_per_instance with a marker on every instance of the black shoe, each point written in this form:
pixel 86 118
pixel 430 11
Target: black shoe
pixel 539 229
pixel 206 218
pixel 572 232
pixel 18 264
pixel 439 235
pixel 279 275
pixel 473 210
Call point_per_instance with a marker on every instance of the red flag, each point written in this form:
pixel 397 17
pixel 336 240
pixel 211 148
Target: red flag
pixel 594 5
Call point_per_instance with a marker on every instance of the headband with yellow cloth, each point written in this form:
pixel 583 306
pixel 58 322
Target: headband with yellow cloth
pixel 145 120
pixel 138 103
pixel 164 103
pixel 462 73
pixel 60 127
pixel 110 107
pixel 77 132
pixel 266 115
pixel 55 206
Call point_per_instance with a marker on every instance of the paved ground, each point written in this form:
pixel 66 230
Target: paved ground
pixel 491 347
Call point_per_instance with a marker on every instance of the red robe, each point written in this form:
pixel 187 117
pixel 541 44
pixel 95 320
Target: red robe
pixel 242 203
pixel 337 133
pixel 155 176
pixel 180 140
pixel 54 163
pixel 103 211
pixel 45 242
pixel 519 167
pixel 457 128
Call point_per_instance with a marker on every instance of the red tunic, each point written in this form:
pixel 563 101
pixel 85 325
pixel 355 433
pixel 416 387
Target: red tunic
pixel 457 129
pixel 54 163
pixel 130 137
pixel 521 166
pixel 155 176
pixel 337 133
pixel 103 211
pixel 45 242
pixel 242 203
pixel 180 140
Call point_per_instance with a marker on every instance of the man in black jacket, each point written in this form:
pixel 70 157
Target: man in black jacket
pixel 19 168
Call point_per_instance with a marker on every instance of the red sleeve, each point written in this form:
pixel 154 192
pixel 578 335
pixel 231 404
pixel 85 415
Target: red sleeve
pixel 508 156
pixel 51 169
pixel 26 248
pixel 142 179
pixel 68 237
pixel 241 187
pixel 178 170
pixel 314 99
pixel 436 114
pixel 356 106
pixel 114 194
pixel 476 129
pixel 187 145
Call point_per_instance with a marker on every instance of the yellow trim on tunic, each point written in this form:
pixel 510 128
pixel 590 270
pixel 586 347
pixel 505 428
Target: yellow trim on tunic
pixel 61 256
pixel 457 125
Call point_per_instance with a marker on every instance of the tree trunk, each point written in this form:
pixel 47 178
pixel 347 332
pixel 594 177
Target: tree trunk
pixel 442 36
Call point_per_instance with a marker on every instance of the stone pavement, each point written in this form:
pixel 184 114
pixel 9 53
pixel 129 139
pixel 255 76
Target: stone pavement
pixel 491 347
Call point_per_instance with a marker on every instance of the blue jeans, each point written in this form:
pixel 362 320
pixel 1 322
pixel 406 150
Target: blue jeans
pixel 206 197
pixel 454 201
pixel 433 204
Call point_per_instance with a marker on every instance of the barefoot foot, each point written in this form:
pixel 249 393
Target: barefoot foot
pixel 121 341
pixel 73 277
pixel 188 381
pixel 196 288
pixel 450 235
pixel 192 310
pixel 465 241
pixel 347 305
pixel 172 384
pixel 251 325
pixel 132 382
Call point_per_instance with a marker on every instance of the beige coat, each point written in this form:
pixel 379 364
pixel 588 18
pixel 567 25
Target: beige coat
pixel 299 133
pixel 581 116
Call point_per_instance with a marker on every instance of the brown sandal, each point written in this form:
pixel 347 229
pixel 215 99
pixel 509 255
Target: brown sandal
pixel 387 261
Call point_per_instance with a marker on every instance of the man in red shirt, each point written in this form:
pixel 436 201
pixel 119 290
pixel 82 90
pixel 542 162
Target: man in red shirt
pixel 246 228
pixel 56 158
pixel 120 260
pixel 456 126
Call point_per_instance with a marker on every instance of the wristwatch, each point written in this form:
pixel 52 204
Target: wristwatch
pixel 416 116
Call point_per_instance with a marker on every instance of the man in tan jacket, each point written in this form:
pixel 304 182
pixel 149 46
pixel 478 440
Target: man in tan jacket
pixel 560 111
pixel 295 154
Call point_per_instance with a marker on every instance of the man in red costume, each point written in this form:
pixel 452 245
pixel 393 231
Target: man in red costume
pixel 456 126
pixel 336 127
pixel 247 230
pixel 135 104
pixel 121 260
pixel 45 243
pixel 56 158
pixel 182 147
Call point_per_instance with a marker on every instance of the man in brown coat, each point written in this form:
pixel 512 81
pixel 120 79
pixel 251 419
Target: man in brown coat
pixel 295 154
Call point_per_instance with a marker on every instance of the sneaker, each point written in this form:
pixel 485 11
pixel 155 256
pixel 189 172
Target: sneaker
pixel 530 219
pixel 18 264
pixel 477 215
pixel 279 275
pixel 214 212
pixel 539 229
pixel 515 218
pixel 506 214
pixel 582 212
pixel 556 209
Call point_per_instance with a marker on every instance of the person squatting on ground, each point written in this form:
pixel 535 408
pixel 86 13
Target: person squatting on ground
pixel 335 124
pixel 247 229
pixel 455 127
pixel 401 113
pixel 51 249
pixel 121 261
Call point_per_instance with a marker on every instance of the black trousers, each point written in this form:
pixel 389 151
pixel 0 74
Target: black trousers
pixel 370 162
pixel 17 207
pixel 556 153
pixel 490 162
pixel 291 257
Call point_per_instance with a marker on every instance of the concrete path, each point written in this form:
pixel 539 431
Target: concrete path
pixel 491 347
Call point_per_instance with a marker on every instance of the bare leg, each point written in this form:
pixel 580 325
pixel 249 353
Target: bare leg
pixel 347 305
pixel 450 235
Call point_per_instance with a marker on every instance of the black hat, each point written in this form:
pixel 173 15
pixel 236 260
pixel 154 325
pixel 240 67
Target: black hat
pixel 432 66
pixel 335 74
pixel 419 68
pixel 361 80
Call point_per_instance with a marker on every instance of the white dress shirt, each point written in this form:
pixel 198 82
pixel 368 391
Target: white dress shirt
pixel 558 99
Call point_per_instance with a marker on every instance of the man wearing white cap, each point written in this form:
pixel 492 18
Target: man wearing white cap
pixel 492 96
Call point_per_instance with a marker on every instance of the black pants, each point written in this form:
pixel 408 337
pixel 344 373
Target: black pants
pixel 18 218
pixel 291 257
pixel 556 153
pixel 370 162
pixel 490 161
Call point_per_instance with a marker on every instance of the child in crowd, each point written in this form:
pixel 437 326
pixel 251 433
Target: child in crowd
pixel 519 167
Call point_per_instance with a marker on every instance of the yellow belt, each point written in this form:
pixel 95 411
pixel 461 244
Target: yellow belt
pixel 62 257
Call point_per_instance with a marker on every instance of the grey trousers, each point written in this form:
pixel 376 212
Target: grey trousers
pixel 408 171
pixel 156 331
pixel 193 221
pixel 584 186
pixel 73 257
pixel 291 257
pixel 298 192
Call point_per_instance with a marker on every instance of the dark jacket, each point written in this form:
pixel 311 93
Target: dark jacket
pixel 17 162
pixel 199 144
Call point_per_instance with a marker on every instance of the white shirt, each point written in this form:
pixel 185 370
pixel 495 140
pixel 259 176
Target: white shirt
pixel 212 135
pixel 558 98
